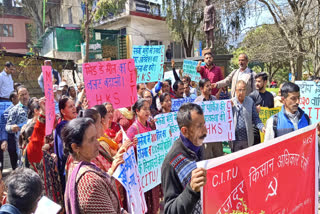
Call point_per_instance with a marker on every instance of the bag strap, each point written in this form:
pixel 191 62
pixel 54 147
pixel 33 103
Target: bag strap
pixel 136 125
pixel 275 124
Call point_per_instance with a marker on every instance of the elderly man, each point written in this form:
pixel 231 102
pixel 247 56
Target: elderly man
pixel 291 117
pixel 17 117
pixel 244 116
pixel 181 180
pixel 243 73
pixel 210 71
pixel 6 82
pixel 24 190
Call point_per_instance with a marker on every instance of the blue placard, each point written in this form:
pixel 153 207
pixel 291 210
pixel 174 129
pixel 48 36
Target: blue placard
pixel 190 69
pixel 177 103
pixel 149 62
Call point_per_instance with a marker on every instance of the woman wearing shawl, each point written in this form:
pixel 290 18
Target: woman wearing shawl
pixel 36 155
pixel 88 189
pixel 68 112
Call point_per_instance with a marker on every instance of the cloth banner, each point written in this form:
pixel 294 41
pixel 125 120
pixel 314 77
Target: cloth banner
pixel 310 99
pixel 190 69
pixel 152 148
pixel 264 114
pixel 278 176
pixel 110 81
pixel 219 120
pixel 3 120
pixel 176 103
pixel 149 62
pixel 168 120
pixel 48 91
pixel 127 174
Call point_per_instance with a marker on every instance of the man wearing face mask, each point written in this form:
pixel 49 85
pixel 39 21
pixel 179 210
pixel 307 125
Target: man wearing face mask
pixel 244 116
pixel 181 180
pixel 210 71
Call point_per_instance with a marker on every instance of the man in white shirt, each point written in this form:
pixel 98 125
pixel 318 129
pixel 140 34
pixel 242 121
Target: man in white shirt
pixel 6 82
pixel 243 73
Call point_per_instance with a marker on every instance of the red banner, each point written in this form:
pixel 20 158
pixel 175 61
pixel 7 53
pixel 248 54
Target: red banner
pixel 278 176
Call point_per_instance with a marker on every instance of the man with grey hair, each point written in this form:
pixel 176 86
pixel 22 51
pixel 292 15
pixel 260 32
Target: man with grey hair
pixel 244 116
pixel 17 117
pixel 243 73
pixel 24 192
pixel 181 180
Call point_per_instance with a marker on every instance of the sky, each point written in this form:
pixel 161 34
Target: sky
pixel 256 18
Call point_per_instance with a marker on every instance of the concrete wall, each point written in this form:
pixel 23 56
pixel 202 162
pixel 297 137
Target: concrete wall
pixel 75 9
pixel 140 29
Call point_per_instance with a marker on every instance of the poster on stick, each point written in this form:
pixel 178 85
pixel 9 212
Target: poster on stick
pixel 110 81
pixel 219 120
pixel 310 99
pixel 149 62
pixel 278 176
pixel 127 174
pixel 168 120
pixel 48 91
pixel 177 103
pixel 190 69
pixel 152 148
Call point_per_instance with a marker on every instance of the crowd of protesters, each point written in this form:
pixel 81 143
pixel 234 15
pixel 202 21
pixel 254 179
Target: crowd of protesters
pixel 74 166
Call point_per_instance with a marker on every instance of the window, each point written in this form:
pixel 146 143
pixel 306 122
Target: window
pixel 6 30
pixel 16 3
pixel 70 15
pixel 148 7
pixel 153 42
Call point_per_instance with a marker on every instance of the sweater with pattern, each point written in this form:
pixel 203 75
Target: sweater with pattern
pixel 176 172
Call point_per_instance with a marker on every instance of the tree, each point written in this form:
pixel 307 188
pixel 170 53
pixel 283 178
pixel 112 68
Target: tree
pixel 34 9
pixel 271 51
pixel 184 18
pixel 103 8
pixel 298 24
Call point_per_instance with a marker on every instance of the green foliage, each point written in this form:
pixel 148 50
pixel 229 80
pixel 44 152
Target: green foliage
pixel 183 18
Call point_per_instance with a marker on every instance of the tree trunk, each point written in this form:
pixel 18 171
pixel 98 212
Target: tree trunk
pixel 187 48
pixel 292 70
pixel 299 67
